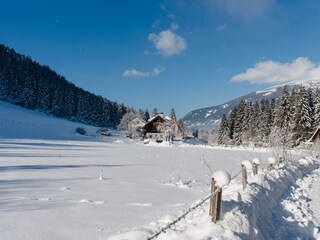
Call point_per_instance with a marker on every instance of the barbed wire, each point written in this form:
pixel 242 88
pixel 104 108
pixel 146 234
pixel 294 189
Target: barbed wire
pixel 162 230
pixel 236 175
pixel 183 215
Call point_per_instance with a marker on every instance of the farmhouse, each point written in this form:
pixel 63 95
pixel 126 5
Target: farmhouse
pixel 161 128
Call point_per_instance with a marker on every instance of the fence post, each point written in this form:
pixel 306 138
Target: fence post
pixel 244 176
pixel 255 168
pixel 215 202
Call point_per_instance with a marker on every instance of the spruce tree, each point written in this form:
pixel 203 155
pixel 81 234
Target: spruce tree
pixel 281 132
pixel 317 109
pixel 147 115
pixel 239 122
pixel 173 115
pixel 223 136
pixel 154 112
pixel 302 121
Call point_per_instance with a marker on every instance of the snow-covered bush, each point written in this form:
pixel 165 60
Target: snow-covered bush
pixel 104 132
pixel 81 131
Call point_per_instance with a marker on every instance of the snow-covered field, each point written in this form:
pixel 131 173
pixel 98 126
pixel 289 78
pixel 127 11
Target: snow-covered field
pixel 51 189
pixel 68 186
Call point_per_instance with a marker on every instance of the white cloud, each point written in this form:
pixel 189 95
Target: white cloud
pixel 274 72
pixel 221 27
pixel 174 26
pixel 245 9
pixel 156 23
pixel 168 43
pixel 138 74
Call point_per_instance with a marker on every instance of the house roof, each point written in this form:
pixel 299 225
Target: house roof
pixel 135 117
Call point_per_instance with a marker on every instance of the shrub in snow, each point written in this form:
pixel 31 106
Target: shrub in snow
pixel 104 132
pixel 222 178
pixel 256 161
pixel 247 164
pixel 81 131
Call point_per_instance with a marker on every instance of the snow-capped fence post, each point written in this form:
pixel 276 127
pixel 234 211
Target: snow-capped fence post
pixel 219 179
pixel 244 176
pixel 255 165
pixel 215 201
pixel 271 162
pixel 254 168
pixel 245 166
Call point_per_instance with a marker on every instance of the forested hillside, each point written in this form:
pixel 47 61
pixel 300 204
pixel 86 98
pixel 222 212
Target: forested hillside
pixel 26 83
pixel 289 120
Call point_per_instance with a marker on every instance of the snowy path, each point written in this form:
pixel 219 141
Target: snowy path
pixel 315 197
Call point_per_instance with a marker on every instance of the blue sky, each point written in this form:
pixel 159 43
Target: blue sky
pixel 185 54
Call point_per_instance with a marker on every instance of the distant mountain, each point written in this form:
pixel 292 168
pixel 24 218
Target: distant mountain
pixel 209 118
pixel 29 84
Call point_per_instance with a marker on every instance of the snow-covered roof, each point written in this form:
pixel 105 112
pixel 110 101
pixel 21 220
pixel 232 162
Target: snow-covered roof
pixel 160 115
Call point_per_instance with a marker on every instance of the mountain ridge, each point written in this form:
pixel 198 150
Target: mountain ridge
pixel 208 118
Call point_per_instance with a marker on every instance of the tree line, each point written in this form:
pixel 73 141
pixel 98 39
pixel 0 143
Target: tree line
pixel 26 83
pixel 289 120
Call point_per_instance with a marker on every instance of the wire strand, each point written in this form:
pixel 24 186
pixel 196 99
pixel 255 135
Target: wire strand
pixel 183 215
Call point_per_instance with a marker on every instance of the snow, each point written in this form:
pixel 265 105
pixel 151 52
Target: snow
pixel 52 187
pixel 247 164
pixel 267 92
pixel 224 106
pixel 271 160
pixel 256 161
pixel 268 209
pixel 18 122
pixel 56 184
pixel 222 178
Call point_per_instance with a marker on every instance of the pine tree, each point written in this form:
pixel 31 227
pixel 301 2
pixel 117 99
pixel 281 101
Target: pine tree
pixel 281 131
pixel 147 115
pixel 302 122
pixel 317 109
pixel 173 115
pixel 282 112
pixel 231 123
pixel 154 112
pixel 223 137
pixel 265 120
pixel 239 122
pixel 254 121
